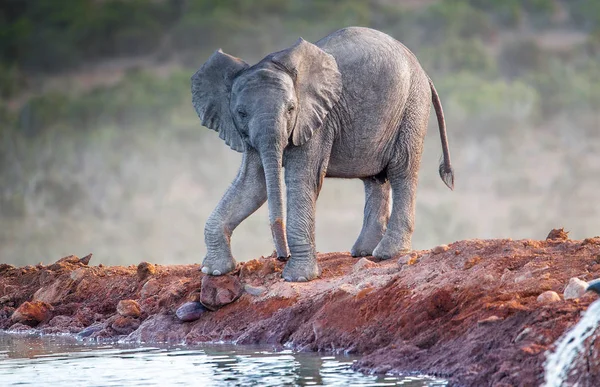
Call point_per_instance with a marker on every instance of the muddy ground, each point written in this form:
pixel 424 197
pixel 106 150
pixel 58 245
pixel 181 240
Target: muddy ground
pixel 467 312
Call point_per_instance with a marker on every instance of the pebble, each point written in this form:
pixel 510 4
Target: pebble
pixel 145 269
pixel 124 325
pixel 363 264
pixel 408 259
pixel 86 332
pixel 129 308
pixel 255 290
pixel 32 313
pixel 548 296
pixel 190 311
pixel 150 288
pixel 575 289
pixel 440 249
pixel 218 291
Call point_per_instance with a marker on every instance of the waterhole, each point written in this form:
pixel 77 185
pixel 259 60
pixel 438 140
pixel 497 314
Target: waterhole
pixel 65 361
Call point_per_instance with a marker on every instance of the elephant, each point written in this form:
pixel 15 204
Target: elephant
pixel 355 104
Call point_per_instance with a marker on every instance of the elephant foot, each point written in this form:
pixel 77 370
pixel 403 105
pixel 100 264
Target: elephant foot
pixel 364 246
pixel 387 249
pixel 301 271
pixel 217 266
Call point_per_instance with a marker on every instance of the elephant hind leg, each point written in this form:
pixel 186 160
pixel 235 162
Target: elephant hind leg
pixel 376 215
pixel 402 173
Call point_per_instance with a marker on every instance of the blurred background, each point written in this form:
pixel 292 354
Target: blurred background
pixel 102 152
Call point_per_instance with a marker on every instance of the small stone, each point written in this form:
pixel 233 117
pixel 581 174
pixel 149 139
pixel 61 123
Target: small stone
pixel 150 288
pixel 32 313
pixel 65 263
pixel 18 327
pixel 144 270
pixel 548 297
pixel 575 289
pixel 524 333
pixel 124 325
pixel 349 288
pixel 489 320
pixel 78 274
pixel 5 267
pixel 85 260
pixel 440 249
pixel 408 259
pixel 54 292
pixel 254 290
pixel 216 292
pixel 363 264
pixel 471 262
pixel 558 234
pixel 129 308
pixel 190 311
pixel 86 332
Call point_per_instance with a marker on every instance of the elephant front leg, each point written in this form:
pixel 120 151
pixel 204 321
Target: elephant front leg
pixel 302 193
pixel 243 197
pixel 376 215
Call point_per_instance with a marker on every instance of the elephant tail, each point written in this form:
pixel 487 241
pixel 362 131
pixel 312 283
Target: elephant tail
pixel 446 172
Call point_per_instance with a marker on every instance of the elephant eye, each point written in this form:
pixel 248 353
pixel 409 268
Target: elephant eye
pixel 242 114
pixel 291 108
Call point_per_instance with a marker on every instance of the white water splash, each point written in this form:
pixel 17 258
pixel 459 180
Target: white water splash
pixel 558 364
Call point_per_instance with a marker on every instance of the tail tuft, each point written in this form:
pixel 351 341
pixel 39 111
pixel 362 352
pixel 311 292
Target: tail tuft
pixel 447 175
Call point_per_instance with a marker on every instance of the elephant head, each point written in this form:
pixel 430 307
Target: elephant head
pixel 279 102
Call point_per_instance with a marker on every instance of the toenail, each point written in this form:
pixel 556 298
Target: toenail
pixel 302 279
pixel 216 272
pixel 205 270
pixel 288 279
pixel 363 253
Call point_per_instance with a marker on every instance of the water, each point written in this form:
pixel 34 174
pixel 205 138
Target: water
pixel 64 361
pixel 558 364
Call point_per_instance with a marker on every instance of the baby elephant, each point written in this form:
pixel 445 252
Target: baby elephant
pixel 353 105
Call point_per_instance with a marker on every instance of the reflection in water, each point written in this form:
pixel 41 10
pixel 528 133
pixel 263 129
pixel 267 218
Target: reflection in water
pixel 57 360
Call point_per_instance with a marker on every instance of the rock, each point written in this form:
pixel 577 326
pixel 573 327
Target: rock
pixel 471 262
pixel 363 264
pixel 129 308
pixel 190 311
pixel 558 235
pixel 254 290
pixel 349 288
pixel 489 320
pixel 575 289
pixel 5 267
pixel 65 263
pixel 86 332
pixel 124 325
pixel 144 270
pixel 78 274
pixel 408 259
pixel 54 292
pixel 216 292
pixel 440 249
pixel 150 288
pixel 32 313
pixel 18 327
pixel 548 296
pixel 85 260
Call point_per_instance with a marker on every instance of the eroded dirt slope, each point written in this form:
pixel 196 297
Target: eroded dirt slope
pixel 467 311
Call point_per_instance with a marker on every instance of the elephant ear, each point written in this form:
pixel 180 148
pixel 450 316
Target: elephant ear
pixel 211 90
pixel 318 85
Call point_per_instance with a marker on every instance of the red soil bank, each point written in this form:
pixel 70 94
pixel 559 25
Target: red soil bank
pixel 467 312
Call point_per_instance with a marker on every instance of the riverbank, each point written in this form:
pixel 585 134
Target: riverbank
pixel 468 312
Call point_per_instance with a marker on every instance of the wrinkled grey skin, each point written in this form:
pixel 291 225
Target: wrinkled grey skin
pixel 353 105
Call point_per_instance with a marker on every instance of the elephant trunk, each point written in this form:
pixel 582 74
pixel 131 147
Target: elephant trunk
pixel 272 163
